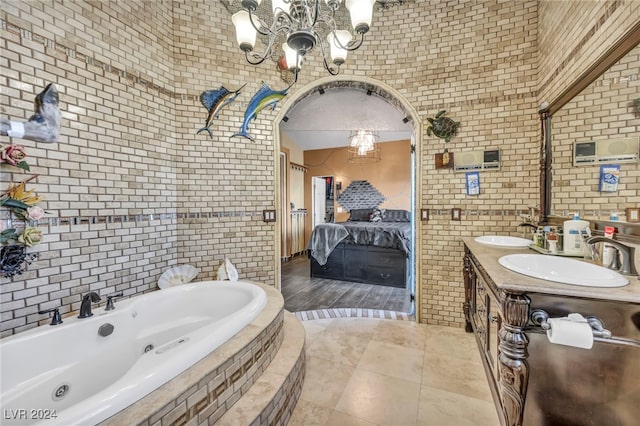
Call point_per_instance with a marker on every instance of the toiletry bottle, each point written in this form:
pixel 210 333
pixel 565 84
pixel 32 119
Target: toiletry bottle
pixel 574 231
pixel 552 240
pixel 608 251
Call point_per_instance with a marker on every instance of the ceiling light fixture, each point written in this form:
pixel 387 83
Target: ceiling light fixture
pixel 301 25
pixel 363 141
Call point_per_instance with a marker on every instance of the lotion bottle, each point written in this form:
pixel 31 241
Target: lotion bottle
pixel 574 230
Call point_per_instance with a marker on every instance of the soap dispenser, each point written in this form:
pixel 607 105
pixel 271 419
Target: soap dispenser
pixel 575 230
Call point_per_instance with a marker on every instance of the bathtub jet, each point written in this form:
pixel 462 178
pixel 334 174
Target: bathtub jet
pixel 86 370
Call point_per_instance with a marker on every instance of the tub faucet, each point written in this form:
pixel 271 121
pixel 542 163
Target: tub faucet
pixel 627 254
pixel 85 307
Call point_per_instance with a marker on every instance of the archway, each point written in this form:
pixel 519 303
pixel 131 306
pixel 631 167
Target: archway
pixel 393 98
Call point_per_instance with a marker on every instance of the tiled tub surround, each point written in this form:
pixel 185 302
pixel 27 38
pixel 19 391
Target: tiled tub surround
pixel 206 391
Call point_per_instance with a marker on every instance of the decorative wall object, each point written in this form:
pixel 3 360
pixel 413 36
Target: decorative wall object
pixel 444 160
pixel 263 98
pixel 43 126
pixel 214 101
pixel 442 127
pixel 22 208
pixel 360 194
pixel 14 155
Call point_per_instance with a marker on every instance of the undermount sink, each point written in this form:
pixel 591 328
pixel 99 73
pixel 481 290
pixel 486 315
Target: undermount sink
pixel 563 270
pixel 503 241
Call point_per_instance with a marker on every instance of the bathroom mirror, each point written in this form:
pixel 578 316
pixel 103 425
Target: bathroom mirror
pixel 604 110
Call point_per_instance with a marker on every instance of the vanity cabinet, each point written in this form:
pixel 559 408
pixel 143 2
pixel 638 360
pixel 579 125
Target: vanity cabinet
pixel 534 382
pixel 483 316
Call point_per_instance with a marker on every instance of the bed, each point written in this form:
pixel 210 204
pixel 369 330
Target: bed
pixel 372 247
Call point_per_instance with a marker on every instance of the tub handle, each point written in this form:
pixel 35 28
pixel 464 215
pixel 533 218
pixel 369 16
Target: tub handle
pixel 55 318
pixel 110 299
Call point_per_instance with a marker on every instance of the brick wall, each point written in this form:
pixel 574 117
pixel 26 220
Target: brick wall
pixel 129 76
pixel 574 34
pixel 112 63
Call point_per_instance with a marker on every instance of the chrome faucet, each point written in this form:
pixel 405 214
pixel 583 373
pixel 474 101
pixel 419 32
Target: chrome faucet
pixel 85 307
pixel 626 253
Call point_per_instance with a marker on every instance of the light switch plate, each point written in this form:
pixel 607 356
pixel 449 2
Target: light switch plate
pixel 455 214
pixel 269 215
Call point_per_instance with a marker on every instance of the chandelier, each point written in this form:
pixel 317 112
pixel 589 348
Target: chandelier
pixel 297 27
pixel 362 141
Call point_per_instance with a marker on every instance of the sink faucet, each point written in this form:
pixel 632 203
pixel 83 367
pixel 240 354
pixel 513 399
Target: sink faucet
pixel 85 307
pixel 532 227
pixel 627 254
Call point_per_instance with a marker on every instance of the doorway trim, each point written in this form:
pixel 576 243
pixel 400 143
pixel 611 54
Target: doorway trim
pixel 395 97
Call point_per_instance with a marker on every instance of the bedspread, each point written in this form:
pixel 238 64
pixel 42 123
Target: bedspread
pixel 325 237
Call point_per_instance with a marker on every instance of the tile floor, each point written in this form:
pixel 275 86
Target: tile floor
pixel 365 371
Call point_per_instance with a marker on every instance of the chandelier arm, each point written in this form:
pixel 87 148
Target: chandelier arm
pixel 259 59
pixel 258 28
pixel 316 14
pixel 352 45
pixel 330 70
pixel 295 79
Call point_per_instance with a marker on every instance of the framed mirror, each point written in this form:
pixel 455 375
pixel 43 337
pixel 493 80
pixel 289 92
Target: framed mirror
pixel 597 116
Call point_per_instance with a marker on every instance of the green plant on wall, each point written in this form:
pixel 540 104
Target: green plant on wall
pixel 442 127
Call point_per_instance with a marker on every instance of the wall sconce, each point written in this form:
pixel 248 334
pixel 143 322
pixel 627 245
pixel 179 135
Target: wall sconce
pixel 339 186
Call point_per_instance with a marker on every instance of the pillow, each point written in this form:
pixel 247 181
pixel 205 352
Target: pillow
pixel 360 215
pixel 396 216
pixel 376 216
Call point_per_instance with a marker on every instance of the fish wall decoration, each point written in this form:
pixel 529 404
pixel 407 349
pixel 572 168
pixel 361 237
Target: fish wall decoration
pixel 214 101
pixel 263 98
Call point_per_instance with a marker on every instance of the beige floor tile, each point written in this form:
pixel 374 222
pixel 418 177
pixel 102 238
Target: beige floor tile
pixel 339 418
pixel 455 375
pixel 355 327
pixel 309 414
pixel 452 342
pixel 380 399
pixel 442 408
pixel 325 381
pixel 403 333
pixel 316 326
pixel 342 349
pixel 392 360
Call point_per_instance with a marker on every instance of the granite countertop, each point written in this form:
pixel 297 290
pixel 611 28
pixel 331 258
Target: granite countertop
pixel 507 280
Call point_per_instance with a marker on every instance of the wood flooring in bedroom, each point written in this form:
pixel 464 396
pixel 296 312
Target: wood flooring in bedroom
pixel 303 293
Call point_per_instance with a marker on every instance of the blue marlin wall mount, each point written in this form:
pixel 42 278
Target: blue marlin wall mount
pixel 263 98
pixel 214 101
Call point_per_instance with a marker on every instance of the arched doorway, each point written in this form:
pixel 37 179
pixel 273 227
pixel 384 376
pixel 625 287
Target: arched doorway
pixel 369 89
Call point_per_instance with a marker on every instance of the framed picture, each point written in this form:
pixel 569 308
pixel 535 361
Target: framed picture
pixel 633 214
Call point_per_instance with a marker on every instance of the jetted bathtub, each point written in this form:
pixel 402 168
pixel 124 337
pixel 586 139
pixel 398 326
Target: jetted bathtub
pixel 69 374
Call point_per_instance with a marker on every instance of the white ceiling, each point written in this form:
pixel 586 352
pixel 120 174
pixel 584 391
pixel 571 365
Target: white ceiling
pixel 325 121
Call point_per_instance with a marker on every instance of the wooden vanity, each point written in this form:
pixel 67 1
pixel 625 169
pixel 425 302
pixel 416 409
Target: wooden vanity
pixel 534 382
